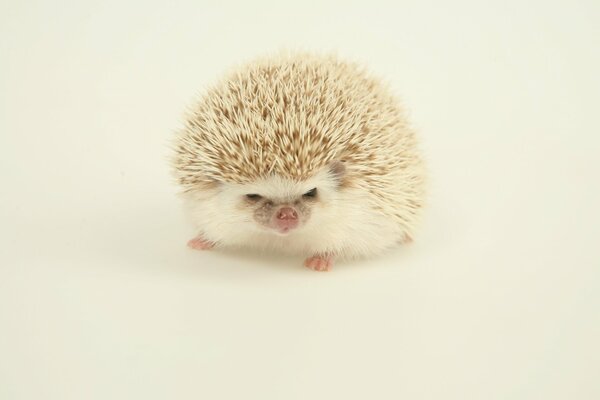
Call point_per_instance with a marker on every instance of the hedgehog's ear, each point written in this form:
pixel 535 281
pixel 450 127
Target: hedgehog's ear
pixel 337 169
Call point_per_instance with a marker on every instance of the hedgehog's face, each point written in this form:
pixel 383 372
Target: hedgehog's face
pixel 280 213
pixel 282 206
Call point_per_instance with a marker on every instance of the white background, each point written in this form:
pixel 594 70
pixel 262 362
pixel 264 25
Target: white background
pixel 498 298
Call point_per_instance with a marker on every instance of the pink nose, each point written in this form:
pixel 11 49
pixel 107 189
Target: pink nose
pixel 287 214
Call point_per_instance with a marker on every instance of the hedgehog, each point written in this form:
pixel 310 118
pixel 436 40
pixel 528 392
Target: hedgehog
pixel 300 153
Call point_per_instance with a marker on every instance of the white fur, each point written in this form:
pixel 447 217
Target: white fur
pixel 342 222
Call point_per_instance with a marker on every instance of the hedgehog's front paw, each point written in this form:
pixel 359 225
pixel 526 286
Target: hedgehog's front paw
pixel 199 243
pixel 319 263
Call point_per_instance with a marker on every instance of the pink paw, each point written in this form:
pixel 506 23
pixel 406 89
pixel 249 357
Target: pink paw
pixel 199 243
pixel 319 263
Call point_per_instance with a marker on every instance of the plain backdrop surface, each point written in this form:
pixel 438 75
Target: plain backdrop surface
pixel 498 298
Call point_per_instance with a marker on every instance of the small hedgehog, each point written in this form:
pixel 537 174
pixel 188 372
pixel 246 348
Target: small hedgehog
pixel 304 154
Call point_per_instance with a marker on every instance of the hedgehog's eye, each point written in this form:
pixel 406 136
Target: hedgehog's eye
pixel 253 196
pixel 311 193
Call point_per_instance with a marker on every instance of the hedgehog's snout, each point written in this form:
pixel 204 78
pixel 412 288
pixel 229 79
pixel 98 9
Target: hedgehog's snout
pixel 287 213
pixel 286 219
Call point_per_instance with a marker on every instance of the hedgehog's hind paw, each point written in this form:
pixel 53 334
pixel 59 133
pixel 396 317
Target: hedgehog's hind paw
pixel 319 263
pixel 199 243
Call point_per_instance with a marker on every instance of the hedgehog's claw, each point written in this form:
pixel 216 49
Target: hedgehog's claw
pixel 199 243
pixel 319 263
